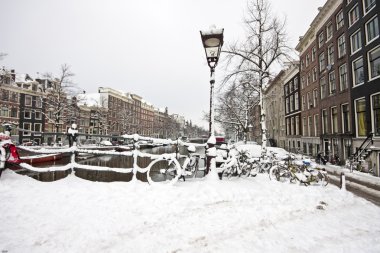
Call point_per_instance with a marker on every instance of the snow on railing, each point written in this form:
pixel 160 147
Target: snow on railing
pixel 75 150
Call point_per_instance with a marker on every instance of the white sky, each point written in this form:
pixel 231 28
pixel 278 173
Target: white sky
pixel 151 48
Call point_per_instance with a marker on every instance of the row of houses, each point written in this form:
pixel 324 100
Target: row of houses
pixel 101 116
pixel 329 101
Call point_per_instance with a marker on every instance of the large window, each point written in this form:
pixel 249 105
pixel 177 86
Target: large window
pixel 334 120
pixel 315 97
pixel 38 115
pixel 356 41
pixel 374 63
pixel 316 127
pixel 329 31
pixel 330 54
pixel 27 126
pixel 343 77
pixel 376 114
pixel 4 112
pixel 314 74
pixel 297 125
pixel 324 122
pixel 324 90
pixel 339 20
pixel 332 84
pixel 372 29
pixel 357 72
pixel 346 118
pixel 310 125
pixel 27 114
pixel 14 112
pixel 313 53
pixel 322 64
pixel 341 46
pixel 37 128
pixel 296 101
pixel 361 122
pixel 28 100
pixel 353 15
pixel 321 40
pixel 368 5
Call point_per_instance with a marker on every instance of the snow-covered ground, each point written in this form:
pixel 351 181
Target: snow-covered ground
pixel 237 215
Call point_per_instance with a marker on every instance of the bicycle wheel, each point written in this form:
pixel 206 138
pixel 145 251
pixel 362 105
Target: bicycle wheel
pixel 164 170
pixel 274 173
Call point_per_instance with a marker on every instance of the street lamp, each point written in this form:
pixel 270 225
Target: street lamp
pixel 212 41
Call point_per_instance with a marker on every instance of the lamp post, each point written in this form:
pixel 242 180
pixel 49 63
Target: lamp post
pixel 212 41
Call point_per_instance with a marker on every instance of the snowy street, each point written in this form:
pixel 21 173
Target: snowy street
pixel 237 215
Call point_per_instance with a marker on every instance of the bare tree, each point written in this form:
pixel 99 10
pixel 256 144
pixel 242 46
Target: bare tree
pixel 235 107
pixel 59 99
pixel 264 46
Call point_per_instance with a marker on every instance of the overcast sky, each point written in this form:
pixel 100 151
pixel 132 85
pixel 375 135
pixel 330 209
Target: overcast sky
pixel 151 47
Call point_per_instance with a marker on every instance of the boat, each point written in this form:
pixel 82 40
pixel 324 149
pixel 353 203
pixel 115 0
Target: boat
pixel 43 158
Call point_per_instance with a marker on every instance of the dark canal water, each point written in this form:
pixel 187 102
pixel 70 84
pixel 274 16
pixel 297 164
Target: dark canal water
pixel 112 161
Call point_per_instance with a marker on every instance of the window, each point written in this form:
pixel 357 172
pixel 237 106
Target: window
pixel 324 122
pixel 361 122
pixel 307 60
pixel 286 89
pixel 308 80
pixel 332 85
pixel 27 126
pixel 356 41
pixel 322 64
pixel 304 124
pixel 330 55
pixel 309 101
pixel 368 5
pixel 292 128
pixel 357 72
pixel 37 128
pixel 38 103
pixel 353 15
pixel 310 125
pixel 5 95
pixel 320 40
pixel 291 87
pixel 322 82
pixel 28 100
pixel 14 97
pixel 315 97
pixel 345 118
pixel 313 53
pixel 296 101
pixel 291 103
pixel 314 74
pixel 303 103
pixel 38 115
pixel 334 119
pixel 316 127
pixel 4 112
pixel 302 82
pixel 343 77
pixel 14 112
pixel 374 63
pixel 27 114
pixel 341 46
pixel 372 29
pixel 329 31
pixel 297 125
pixel 376 114
pixel 287 105
pixel 296 83
pixel 339 20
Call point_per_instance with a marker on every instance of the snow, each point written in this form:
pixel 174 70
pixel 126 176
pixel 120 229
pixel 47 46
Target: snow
pixel 199 215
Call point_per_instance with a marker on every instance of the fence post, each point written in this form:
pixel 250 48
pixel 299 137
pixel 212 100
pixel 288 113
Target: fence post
pixel 342 181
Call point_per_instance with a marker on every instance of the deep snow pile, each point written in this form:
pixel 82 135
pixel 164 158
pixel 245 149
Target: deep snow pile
pixel 238 215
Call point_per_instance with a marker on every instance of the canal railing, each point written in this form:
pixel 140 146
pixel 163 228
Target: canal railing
pixel 72 166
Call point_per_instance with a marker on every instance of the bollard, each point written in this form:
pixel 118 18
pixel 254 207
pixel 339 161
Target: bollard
pixel 342 181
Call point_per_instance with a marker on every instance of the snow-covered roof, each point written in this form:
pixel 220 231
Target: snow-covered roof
pixel 89 99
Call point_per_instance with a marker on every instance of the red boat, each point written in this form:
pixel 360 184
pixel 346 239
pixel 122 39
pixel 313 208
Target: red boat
pixel 43 158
